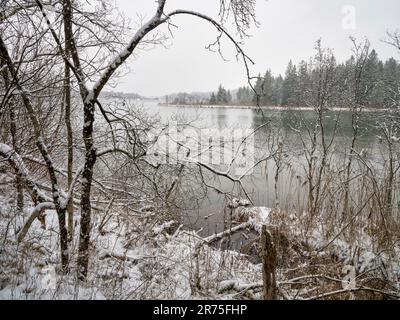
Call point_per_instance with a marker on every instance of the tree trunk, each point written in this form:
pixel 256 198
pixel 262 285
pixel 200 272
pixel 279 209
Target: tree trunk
pixel 18 181
pixel 269 265
pixel 63 240
pixel 87 175
pixel 67 12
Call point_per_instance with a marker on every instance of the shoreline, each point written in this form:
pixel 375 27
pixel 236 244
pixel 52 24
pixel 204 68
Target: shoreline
pixel 272 108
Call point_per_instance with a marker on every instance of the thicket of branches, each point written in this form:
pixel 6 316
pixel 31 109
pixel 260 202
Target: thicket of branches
pixel 56 57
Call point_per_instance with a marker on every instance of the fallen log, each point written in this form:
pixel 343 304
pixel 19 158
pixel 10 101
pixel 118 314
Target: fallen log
pixel 226 233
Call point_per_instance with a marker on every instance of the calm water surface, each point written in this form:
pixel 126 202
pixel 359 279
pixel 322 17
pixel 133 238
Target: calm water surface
pixel 289 125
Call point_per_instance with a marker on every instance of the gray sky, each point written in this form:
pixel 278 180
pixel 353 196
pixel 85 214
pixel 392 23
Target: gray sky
pixel 288 30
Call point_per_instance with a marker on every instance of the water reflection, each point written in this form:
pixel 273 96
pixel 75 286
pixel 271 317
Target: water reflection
pixel 291 128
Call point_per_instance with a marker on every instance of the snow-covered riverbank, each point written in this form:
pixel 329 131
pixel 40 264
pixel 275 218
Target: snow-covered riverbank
pixel 135 259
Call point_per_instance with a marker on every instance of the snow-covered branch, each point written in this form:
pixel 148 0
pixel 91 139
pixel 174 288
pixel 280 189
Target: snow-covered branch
pixel 150 25
pixel 34 214
pixel 240 52
pixel 34 120
pixel 18 164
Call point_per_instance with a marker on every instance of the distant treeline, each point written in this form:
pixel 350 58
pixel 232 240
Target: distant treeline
pixel 187 99
pixel 364 80
pixel 222 96
pixel 118 94
pixel 378 82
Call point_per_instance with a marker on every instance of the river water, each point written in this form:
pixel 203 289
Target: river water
pixel 286 126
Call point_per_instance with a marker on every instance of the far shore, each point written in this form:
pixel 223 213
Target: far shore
pixel 275 108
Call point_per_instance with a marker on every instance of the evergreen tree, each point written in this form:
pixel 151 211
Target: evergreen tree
pixel 373 81
pixel 258 95
pixel 244 96
pixel 277 91
pixel 267 89
pixel 240 95
pixel 222 96
pixel 391 80
pixel 228 97
pixel 289 85
pixel 303 84
pixel 213 99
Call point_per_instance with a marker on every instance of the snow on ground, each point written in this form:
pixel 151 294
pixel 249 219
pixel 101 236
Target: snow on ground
pixel 131 259
pixel 124 264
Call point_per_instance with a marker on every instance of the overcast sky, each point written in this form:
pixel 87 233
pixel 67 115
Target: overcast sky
pixel 288 30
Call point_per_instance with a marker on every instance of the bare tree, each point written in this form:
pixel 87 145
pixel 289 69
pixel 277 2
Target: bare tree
pixel 356 99
pixel 77 63
pixel 394 39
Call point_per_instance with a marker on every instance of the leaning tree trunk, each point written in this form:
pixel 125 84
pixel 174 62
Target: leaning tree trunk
pixel 18 180
pixel 13 129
